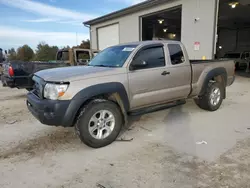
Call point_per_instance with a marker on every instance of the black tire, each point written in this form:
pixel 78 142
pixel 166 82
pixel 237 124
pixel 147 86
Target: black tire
pixel 82 124
pixel 4 84
pixel 204 101
pixel 237 66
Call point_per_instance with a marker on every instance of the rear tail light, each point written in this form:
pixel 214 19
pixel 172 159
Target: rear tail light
pixel 11 71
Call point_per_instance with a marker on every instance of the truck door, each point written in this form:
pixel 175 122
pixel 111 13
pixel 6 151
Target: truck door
pixel 148 84
pixel 179 78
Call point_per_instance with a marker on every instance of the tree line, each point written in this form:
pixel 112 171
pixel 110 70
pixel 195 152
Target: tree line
pixel 43 52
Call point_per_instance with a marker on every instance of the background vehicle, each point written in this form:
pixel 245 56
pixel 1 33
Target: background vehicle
pixel 242 59
pixel 19 74
pixel 1 68
pixel 2 59
pixel 75 56
pixel 126 79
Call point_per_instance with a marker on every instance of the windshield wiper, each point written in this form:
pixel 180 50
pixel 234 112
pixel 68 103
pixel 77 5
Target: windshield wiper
pixel 99 65
pixel 102 66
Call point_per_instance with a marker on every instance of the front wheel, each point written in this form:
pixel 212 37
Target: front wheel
pixel 99 123
pixel 212 98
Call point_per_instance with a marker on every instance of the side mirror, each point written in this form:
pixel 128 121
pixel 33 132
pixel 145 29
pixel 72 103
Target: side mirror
pixel 138 64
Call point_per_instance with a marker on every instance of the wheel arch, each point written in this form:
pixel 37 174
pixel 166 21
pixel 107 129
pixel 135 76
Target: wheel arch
pixel 113 91
pixel 219 75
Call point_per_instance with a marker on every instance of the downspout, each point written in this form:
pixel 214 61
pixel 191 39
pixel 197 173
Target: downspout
pixel 90 38
pixel 215 32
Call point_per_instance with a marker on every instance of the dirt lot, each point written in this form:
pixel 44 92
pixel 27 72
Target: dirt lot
pixel 164 151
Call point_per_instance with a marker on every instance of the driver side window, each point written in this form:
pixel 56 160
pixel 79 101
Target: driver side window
pixel 154 57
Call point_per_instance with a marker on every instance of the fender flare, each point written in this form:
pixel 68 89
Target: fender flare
pixel 220 71
pixel 90 92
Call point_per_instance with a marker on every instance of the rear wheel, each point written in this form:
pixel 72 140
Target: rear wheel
pixel 3 82
pixel 212 98
pixel 99 123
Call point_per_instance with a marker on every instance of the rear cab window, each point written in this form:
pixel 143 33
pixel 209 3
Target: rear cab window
pixel 176 54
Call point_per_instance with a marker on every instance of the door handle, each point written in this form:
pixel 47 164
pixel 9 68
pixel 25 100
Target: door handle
pixel 164 73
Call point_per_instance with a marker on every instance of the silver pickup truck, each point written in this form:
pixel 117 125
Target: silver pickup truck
pixel 124 80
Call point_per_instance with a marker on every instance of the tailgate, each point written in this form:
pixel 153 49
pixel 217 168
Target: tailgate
pixel 43 66
pixel 20 68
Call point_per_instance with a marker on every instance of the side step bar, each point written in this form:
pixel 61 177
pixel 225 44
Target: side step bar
pixel 156 108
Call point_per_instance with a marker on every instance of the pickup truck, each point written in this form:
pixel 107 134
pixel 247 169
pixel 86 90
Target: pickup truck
pixel 19 74
pixel 241 59
pixel 124 80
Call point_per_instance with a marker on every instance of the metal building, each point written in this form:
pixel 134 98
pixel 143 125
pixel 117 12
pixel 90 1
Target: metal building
pixel 197 23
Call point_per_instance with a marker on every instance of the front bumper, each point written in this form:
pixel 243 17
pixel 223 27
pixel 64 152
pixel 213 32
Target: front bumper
pixel 48 112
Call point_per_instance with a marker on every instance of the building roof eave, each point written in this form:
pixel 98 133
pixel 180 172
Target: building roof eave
pixel 125 11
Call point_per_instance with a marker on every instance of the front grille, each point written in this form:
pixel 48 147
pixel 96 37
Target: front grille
pixel 36 90
pixel 38 86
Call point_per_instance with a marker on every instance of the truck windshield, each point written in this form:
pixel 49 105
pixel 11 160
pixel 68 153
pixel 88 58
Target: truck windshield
pixel 113 56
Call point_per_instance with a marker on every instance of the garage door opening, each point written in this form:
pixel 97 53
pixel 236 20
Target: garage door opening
pixel 108 36
pixel 234 31
pixel 165 25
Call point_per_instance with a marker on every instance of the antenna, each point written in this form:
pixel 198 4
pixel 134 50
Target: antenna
pixel 76 39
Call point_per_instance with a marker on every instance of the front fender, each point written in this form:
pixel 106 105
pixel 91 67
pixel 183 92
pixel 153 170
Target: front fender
pixel 92 91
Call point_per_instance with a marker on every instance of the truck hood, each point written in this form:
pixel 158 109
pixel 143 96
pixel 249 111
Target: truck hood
pixel 67 74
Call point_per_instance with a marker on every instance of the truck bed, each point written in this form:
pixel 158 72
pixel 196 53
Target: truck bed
pixel 23 72
pixel 200 68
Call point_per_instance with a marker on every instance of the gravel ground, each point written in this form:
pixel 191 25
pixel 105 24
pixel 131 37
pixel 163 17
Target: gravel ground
pixel 163 153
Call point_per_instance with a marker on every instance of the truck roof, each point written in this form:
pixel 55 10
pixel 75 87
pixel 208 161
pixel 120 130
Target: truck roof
pixel 149 42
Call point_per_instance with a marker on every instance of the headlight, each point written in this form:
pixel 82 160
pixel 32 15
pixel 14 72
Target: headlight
pixel 54 91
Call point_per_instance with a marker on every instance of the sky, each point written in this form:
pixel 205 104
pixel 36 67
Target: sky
pixel 56 22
